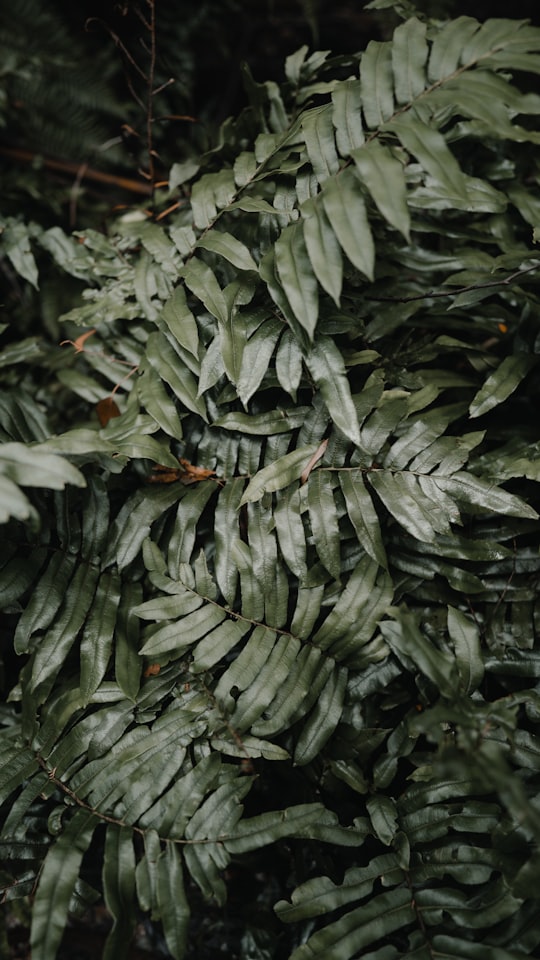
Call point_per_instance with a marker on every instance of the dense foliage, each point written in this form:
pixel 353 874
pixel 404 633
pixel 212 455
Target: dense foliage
pixel 270 566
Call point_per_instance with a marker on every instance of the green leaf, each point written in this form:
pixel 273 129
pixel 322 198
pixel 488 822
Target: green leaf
pixel 410 645
pixel 290 530
pixel 384 817
pixel 253 701
pixel 360 927
pixel 384 177
pixel 154 398
pixel 263 424
pixel 176 637
pixel 284 471
pixel 180 321
pixel 57 642
pixel 377 83
pixel 256 357
pixel 501 383
pixel 447 47
pixel 259 831
pixel 408 504
pixel 203 284
pixel 472 490
pixel 323 249
pixel 430 149
pixel 363 515
pixel 171 900
pixel 226 532
pixel 325 363
pixel 324 521
pixel 32 467
pixel 296 275
pixel 56 884
pixel 99 628
pixel 354 610
pixel 346 212
pixel 170 368
pixel 323 719
pixel 119 889
pixel 132 525
pixel 17 575
pixel 319 136
pixel 127 662
pixel 320 895
pixel 347 116
pixel 465 638
pixel 228 247
pixel 409 55
pixel 13 502
pixel 289 363
pixel 16 243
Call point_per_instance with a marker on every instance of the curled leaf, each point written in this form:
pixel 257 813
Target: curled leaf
pixel 79 343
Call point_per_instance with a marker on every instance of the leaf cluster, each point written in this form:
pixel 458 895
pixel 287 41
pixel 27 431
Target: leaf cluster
pixel 337 331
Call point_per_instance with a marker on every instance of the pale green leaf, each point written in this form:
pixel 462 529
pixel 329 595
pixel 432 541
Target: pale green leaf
pixel 35 467
pixel 175 637
pixel 264 424
pixel 323 248
pixel 99 628
pixel 228 247
pixel 171 898
pixel 363 515
pixel 430 149
pixel 412 646
pixel 284 471
pixel 56 884
pixel 168 365
pixel 296 275
pixel 289 363
pixel 13 502
pixel 324 521
pixel 466 488
pixel 325 363
pixel 256 357
pixel 323 719
pixel 346 212
pixel 203 284
pixel 119 889
pixel 347 116
pixel 180 321
pixel 319 136
pixel 448 45
pixel 501 383
pixel 383 175
pixel 377 83
pixel 409 55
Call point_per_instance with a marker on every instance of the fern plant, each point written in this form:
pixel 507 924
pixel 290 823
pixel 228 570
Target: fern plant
pixel 302 545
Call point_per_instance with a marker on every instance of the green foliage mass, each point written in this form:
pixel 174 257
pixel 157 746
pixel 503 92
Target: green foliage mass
pixel 339 323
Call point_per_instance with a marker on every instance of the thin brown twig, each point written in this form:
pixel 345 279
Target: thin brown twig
pixel 432 294
pixel 66 166
pixel 150 90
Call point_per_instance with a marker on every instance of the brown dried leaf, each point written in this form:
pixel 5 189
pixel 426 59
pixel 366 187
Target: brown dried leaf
pixel 186 473
pixel 79 343
pixel 320 452
pixel 152 670
pixel 106 409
